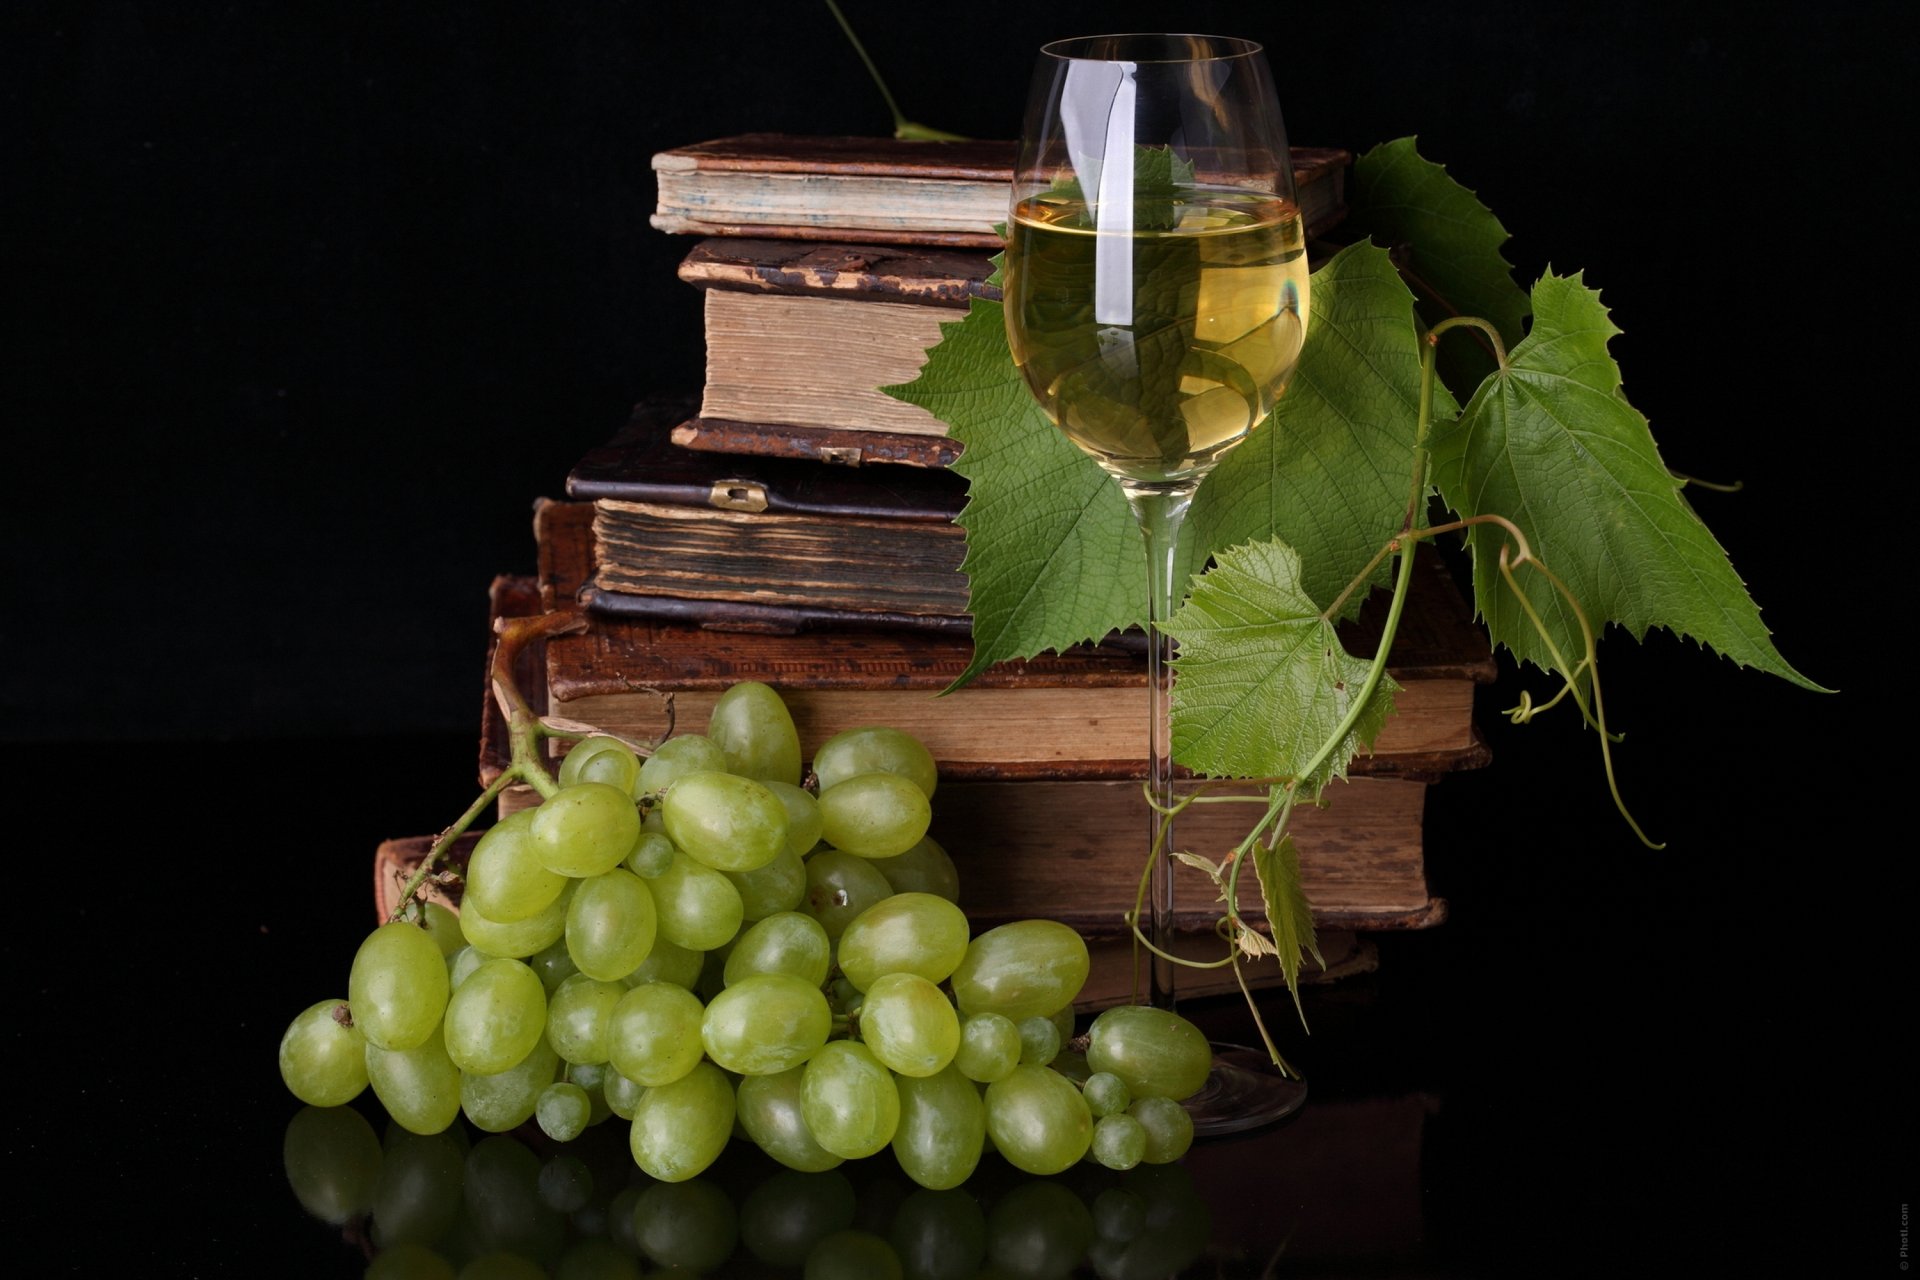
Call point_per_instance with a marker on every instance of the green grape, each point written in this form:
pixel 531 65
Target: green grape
pixel 398 986
pixel 653 1036
pixel 690 1225
pixel 332 1159
pixel 839 887
pixel 803 816
pixel 592 1077
pixel 755 730
pixel 781 885
pixel 496 1017
pixel 786 942
pixel 687 753
pixel 505 880
pixel 1106 1094
pixel 875 749
pixel 845 997
pixel 925 868
pixel 942 1129
pixel 849 1100
pixel 681 1128
pixel 553 963
pixel 728 822
pixel 1169 1128
pixel 1119 1141
pixel 874 815
pixel 989 1047
pixel 562 1111
pixel 1022 969
pixel 939 1235
pixel 766 1022
pixel 611 924
pixel 461 963
pixel 698 907
pixel 323 1056
pixel 651 855
pixel 1156 1051
pixel 585 829
pixel 506 1100
pixel 905 933
pixel 852 1255
pixel 1039 1228
pixel 601 759
pixel 769 1110
pixel 622 1094
pixel 786 1215
pixel 518 939
pixel 443 926
pixel 1039 1041
pixel 422 1180
pixel 668 962
pixel 1062 1019
pixel 909 1024
pixel 419 1087
pixel 578 1015
pixel 1073 1065
pixel 1038 1120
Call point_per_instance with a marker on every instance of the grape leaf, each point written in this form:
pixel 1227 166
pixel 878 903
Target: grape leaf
pixel 1449 244
pixel 1289 914
pixel 1552 445
pixel 1262 681
pixel 1328 472
pixel 1054 557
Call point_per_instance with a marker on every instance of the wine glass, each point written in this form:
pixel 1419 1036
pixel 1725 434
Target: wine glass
pixel 1155 285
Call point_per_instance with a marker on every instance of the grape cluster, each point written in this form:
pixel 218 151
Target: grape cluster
pixel 700 945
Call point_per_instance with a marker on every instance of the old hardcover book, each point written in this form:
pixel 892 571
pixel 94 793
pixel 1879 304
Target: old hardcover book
pixel 885 190
pixel 1077 714
pixel 768 543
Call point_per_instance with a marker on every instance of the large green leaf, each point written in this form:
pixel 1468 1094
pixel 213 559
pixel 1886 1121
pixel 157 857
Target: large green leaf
pixel 1054 557
pixel 1329 472
pixel 1262 682
pixel 1552 445
pixel 1449 244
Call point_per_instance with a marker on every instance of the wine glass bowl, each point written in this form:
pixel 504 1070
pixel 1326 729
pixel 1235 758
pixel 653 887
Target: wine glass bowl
pixel 1156 301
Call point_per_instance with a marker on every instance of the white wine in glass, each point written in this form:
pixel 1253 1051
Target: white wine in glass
pixel 1156 301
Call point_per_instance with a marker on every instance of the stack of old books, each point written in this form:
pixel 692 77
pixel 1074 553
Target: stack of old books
pixel 796 527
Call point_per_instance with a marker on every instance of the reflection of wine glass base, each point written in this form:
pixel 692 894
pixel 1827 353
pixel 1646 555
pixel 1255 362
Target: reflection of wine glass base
pixel 1243 1091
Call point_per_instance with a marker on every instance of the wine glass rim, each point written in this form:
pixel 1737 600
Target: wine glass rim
pixel 1230 47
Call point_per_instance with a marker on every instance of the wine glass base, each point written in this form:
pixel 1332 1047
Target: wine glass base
pixel 1244 1090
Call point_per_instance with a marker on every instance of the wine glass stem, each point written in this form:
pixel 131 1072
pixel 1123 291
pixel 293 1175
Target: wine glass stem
pixel 1160 511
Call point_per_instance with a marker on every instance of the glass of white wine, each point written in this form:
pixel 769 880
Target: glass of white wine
pixel 1156 301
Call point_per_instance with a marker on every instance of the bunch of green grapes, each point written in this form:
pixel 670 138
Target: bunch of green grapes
pixel 701 946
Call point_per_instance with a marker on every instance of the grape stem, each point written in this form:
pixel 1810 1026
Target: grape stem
pixel 1580 684
pixel 525 734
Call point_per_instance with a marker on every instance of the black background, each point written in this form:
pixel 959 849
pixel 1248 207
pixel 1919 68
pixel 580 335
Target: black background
pixel 308 304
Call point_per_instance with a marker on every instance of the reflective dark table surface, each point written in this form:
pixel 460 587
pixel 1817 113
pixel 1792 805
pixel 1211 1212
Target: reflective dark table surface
pixel 1554 1081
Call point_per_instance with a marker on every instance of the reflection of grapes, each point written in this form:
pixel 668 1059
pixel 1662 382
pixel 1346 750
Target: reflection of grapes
pixel 703 948
pixel 437 1204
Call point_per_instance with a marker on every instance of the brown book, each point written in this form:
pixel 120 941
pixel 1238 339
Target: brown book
pixel 885 190
pixel 775 544
pixel 1077 714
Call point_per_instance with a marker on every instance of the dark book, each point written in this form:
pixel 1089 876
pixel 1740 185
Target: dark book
pixel 885 190
pixel 762 543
